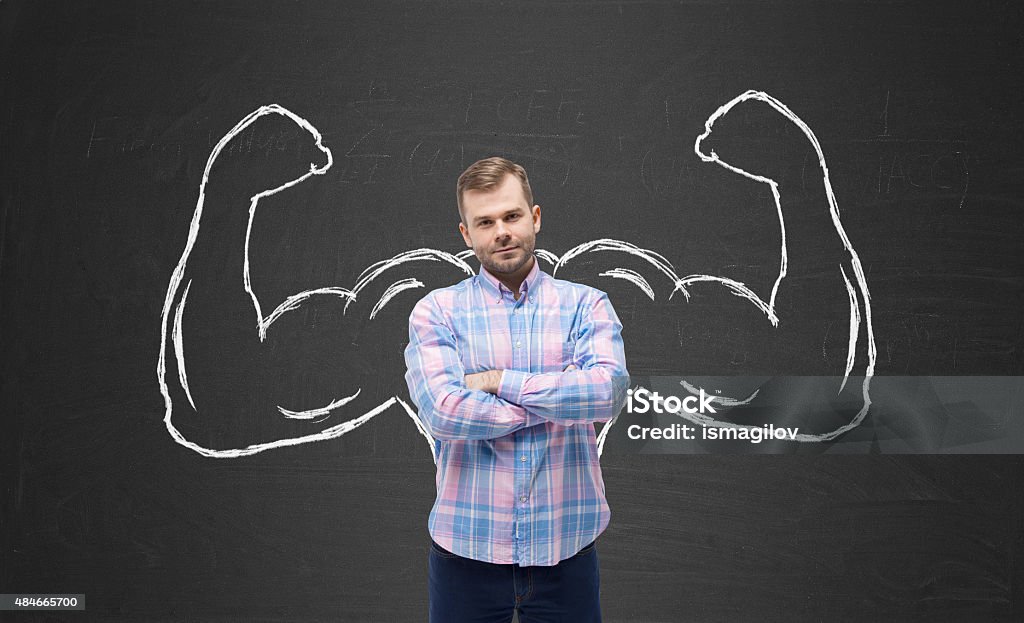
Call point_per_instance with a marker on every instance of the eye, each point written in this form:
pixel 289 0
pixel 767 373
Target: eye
pixel 513 217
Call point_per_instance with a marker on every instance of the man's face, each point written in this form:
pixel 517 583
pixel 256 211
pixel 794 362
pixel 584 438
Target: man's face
pixel 500 226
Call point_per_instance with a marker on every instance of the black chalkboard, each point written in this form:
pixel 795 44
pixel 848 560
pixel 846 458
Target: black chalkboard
pixel 215 219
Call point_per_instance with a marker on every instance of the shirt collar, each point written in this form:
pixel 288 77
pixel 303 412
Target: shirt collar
pixel 495 288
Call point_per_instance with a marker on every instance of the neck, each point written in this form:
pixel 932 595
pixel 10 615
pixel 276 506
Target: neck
pixel 513 281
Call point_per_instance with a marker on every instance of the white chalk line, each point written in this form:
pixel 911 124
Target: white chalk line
pixel 736 288
pixel 419 426
pixel 854 327
pixel 631 276
pixel 179 347
pixel 416 255
pixel 603 435
pixel 295 300
pixel 392 291
pixel 322 411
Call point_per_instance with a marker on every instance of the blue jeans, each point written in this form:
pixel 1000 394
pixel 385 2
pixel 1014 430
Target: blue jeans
pixel 463 590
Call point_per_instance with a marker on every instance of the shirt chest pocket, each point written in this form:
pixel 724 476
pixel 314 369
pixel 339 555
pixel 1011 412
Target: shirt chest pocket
pixel 563 349
pixel 474 352
pixel 569 349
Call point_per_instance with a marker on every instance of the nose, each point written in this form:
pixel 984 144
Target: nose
pixel 500 231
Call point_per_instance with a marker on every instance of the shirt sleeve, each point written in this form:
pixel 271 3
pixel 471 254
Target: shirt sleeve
pixel 596 391
pixel 436 380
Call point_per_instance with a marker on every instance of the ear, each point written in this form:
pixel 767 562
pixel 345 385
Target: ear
pixel 465 234
pixel 535 212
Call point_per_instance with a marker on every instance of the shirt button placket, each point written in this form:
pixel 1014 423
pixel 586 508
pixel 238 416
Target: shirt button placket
pixel 519 361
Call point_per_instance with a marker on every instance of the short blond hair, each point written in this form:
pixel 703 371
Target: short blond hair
pixel 489 173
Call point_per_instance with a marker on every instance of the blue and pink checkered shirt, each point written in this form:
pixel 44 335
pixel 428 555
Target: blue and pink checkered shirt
pixel 518 476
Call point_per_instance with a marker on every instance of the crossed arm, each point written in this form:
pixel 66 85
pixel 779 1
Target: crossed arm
pixel 494 403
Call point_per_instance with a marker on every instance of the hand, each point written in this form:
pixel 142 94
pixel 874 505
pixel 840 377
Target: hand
pixel 488 381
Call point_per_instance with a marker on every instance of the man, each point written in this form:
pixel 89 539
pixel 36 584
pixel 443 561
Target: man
pixel 510 369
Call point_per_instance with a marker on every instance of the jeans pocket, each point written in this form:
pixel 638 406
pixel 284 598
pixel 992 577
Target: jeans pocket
pixel 440 551
pixel 587 549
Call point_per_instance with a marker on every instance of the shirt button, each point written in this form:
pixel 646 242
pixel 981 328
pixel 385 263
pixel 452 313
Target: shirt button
pixel 522 498
pixel 523 458
pixel 518 344
pixel 515 310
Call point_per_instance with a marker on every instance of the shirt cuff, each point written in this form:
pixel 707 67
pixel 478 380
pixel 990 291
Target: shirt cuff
pixel 511 386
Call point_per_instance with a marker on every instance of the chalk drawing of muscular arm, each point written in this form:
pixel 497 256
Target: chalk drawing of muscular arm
pixel 860 353
pixel 212 310
pixel 650 268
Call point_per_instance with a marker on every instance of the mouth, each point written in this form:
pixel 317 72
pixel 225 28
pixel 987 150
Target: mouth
pixel 506 249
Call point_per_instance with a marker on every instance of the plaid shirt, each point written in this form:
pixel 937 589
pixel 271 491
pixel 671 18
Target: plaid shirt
pixel 518 475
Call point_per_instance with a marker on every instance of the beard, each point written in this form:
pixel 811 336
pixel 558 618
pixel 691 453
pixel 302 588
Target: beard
pixel 521 255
